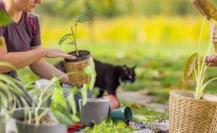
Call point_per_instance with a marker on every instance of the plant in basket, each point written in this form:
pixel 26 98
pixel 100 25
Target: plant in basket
pixel 75 67
pixel 194 111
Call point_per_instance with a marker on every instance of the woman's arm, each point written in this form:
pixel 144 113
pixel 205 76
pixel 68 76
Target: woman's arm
pixel 22 59
pixel 48 71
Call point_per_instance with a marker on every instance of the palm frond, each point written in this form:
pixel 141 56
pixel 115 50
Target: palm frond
pixel 64 38
pixel 85 16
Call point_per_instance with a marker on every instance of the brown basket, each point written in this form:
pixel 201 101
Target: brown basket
pixel 188 115
pixel 77 75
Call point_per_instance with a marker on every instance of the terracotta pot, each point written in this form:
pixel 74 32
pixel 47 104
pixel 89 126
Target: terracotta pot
pixel 188 115
pixel 113 101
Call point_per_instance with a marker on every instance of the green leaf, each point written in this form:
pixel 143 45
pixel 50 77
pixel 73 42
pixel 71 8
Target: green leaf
pixel 64 38
pixel 62 115
pixel 90 70
pixel 84 94
pixel 4 19
pixel 59 106
pixel 6 64
pixel 58 97
pixel 71 101
pixel 190 66
pixel 85 16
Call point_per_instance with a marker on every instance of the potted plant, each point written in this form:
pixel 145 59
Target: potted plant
pixel 39 118
pixel 194 111
pixel 76 66
pixel 12 96
pixel 56 116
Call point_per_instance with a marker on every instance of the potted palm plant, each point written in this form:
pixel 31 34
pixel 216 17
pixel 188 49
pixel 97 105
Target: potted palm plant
pixel 76 66
pixel 194 111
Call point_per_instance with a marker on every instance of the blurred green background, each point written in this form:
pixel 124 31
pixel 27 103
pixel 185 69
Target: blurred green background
pixel 156 35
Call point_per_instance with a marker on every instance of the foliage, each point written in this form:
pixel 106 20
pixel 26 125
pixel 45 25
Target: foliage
pixel 4 19
pixel 111 8
pixel 72 37
pixel 190 67
pixel 12 93
pixel 68 114
pixel 196 65
pixel 108 127
pixel 59 106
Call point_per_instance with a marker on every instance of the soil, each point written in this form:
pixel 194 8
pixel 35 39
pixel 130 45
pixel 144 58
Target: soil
pixel 83 54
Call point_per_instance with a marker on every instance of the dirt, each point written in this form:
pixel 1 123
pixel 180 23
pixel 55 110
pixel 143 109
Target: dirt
pixel 83 54
pixel 141 98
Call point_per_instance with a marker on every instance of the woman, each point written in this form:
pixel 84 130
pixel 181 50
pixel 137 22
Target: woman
pixel 22 43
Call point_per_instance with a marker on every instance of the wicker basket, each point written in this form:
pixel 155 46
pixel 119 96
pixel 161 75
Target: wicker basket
pixel 188 115
pixel 78 77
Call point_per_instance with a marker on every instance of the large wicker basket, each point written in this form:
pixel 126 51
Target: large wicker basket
pixel 188 115
pixel 76 68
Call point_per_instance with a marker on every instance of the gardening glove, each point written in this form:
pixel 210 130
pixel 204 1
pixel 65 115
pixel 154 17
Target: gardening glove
pixel 206 8
pixel 213 34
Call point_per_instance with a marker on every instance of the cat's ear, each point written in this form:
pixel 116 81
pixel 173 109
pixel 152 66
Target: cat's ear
pixel 134 67
pixel 125 66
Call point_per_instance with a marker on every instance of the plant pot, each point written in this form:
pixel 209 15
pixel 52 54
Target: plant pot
pixel 24 127
pixel 188 115
pixel 122 114
pixel 77 66
pixel 113 101
pixel 94 111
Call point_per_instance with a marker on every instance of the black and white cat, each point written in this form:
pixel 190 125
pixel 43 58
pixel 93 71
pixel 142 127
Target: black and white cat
pixel 109 76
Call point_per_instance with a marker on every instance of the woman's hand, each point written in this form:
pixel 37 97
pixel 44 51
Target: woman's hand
pixel 54 53
pixel 211 60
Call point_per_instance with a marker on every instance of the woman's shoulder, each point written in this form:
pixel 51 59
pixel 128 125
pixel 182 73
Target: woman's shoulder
pixel 32 18
pixel 32 21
